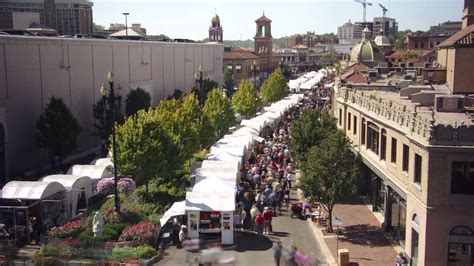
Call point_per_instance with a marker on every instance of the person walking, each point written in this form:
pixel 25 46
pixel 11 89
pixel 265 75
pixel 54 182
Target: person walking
pixel 277 250
pixel 259 221
pixel 253 215
pixel 401 260
pixel 267 216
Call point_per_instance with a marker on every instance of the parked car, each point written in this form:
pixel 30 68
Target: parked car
pixel 19 32
pixel 3 33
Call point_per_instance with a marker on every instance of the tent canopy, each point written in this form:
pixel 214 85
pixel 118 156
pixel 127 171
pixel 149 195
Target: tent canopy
pixel 95 172
pixel 70 182
pixel 214 184
pixel 175 210
pixel 228 174
pixel 230 165
pixel 31 190
pixel 103 161
pixel 208 202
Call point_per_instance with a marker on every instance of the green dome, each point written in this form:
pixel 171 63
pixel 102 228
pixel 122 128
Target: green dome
pixel 366 51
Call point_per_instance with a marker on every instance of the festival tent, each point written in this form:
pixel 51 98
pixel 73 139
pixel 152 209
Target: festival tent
pixel 244 131
pixel 226 174
pixel 236 151
pixel 176 209
pixel 214 184
pixel 220 164
pixel 102 161
pixel 78 191
pixel 31 190
pixel 95 172
pixel 224 156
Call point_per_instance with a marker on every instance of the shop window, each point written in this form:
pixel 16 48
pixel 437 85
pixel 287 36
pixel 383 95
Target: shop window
pixel 362 132
pixel 238 68
pixel 383 145
pixel 229 67
pixel 373 137
pixel 355 125
pixel 210 221
pixel 460 254
pixel 414 247
pixel 406 155
pixel 393 151
pixel 418 164
pixel 349 121
pixel 462 178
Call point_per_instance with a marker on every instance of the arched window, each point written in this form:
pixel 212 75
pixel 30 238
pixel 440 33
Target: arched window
pixel 461 230
pixel 416 219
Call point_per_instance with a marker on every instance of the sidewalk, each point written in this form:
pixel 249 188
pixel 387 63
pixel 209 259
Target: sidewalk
pixel 360 233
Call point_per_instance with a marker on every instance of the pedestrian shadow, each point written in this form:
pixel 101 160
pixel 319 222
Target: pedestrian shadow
pixel 249 241
pixel 364 235
pixel 280 234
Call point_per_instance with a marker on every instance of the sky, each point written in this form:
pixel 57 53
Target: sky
pixel 191 18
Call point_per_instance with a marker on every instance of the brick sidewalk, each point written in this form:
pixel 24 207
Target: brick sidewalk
pixel 362 235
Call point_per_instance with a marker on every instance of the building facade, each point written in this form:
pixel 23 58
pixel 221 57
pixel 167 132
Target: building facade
pixel 67 17
pixel 349 33
pixel 390 27
pixel 447 28
pixel 34 69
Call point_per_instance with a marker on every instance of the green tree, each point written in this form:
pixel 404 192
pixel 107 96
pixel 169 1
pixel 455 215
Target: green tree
pixel 57 130
pixel 219 110
pixel 202 91
pixel 137 99
pixel 309 130
pixel 145 150
pixel 329 172
pixel 198 120
pixel 274 88
pixel 229 82
pixel 103 120
pixel 97 27
pixel 246 100
pixel 286 71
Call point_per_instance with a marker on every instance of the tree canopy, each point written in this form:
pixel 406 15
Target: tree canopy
pixel 57 129
pixel 137 99
pixel 228 82
pixel 329 172
pixel 246 100
pixel 219 110
pixel 103 119
pixel 274 88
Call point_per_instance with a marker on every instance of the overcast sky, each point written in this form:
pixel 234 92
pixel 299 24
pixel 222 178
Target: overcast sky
pixel 191 18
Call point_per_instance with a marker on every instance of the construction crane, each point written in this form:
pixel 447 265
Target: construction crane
pixel 364 3
pixel 384 10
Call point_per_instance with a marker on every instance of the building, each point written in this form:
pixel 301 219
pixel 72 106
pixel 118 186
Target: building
pixel 310 39
pixel 468 15
pixel 416 143
pixel 67 17
pixel 216 33
pixel 367 52
pixel 447 28
pixel 368 24
pixel 241 61
pixel 390 27
pixel 349 33
pixel 302 58
pixel 32 69
pixel 383 43
pixel 424 42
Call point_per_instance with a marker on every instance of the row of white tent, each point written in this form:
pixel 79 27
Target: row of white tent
pixel 308 81
pixel 217 178
pixel 80 181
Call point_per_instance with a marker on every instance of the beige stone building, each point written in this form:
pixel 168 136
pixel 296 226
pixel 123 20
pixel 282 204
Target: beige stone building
pixel 416 143
pixel 33 69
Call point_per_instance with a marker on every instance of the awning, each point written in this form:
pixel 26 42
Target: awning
pixel 206 164
pixel 176 209
pixel 208 202
pixel 214 184
pixel 71 182
pixel 31 190
pixel 103 161
pixel 95 172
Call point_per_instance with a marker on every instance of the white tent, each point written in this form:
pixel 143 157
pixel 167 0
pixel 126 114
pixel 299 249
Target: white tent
pixel 226 174
pixel 208 202
pixel 103 161
pixel 231 165
pixel 175 210
pixel 95 172
pixel 31 190
pixel 245 131
pixel 235 151
pixel 214 184
pixel 75 185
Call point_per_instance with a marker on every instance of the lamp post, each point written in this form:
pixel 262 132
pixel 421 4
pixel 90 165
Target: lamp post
pixel 126 23
pixel 110 97
pixel 254 71
pixel 200 85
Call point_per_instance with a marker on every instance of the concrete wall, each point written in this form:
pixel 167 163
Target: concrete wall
pixel 464 64
pixel 34 69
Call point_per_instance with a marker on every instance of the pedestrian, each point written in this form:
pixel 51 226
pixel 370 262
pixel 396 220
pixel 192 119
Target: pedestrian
pixel 277 249
pixel 253 214
pixel 291 249
pixel 267 216
pixel 401 260
pixel 259 221
pixel 287 196
pixel 289 177
pixel 183 234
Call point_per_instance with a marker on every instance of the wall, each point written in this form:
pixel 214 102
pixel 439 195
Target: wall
pixel 34 69
pixel 464 65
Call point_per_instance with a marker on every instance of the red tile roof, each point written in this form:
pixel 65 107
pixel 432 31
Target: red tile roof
pixel 460 38
pixel 239 53
pixel 300 46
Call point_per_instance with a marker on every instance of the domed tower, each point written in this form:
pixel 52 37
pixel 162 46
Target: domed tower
pixel 383 43
pixel 215 30
pixel 366 52
pixel 263 37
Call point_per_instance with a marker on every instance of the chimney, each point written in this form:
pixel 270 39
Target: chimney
pixel 468 14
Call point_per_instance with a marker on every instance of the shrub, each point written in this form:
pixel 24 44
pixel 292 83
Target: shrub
pixel 69 229
pixel 88 237
pixel 143 232
pixel 105 186
pixel 126 185
pixel 126 253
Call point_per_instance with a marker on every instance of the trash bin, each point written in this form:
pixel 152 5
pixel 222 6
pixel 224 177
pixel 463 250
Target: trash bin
pixel 343 257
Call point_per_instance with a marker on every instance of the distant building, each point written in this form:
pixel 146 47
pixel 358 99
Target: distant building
pixel 114 27
pixel 390 28
pixel 67 17
pixel 303 58
pixel 367 52
pixel 215 30
pixel 447 28
pixel 349 33
pixel 369 25
pixel 310 39
pixel 424 42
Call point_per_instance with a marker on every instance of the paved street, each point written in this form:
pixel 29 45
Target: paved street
pixel 250 250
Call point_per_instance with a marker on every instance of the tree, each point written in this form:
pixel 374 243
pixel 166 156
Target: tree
pixel 286 71
pixel 228 82
pixel 137 99
pixel 202 91
pixel 57 130
pixel 309 130
pixel 329 172
pixel 246 100
pixel 97 27
pixel 177 94
pixel 219 110
pixel 274 88
pixel 103 120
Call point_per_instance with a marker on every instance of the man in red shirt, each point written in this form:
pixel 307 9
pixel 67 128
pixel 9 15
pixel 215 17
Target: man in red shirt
pixel 267 216
pixel 259 221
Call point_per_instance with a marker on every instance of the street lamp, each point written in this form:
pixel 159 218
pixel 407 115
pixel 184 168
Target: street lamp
pixel 254 71
pixel 110 97
pixel 126 24
pixel 200 85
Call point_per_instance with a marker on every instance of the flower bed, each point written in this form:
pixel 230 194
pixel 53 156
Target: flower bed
pixel 143 233
pixel 69 229
pixel 126 185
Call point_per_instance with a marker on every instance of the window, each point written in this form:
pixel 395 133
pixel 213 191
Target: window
pixel 393 155
pixel 461 230
pixel 340 117
pixel 355 125
pixel 362 133
pixel 349 121
pixel 373 137
pixel 406 154
pixel 414 246
pixel 462 178
pixel 238 68
pixel 418 165
pixel 460 253
pixel 383 145
pixel 229 67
